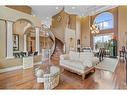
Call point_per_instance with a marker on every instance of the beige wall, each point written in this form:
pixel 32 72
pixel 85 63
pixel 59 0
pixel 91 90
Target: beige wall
pixel 78 26
pixel 122 26
pixel 85 31
pixel 86 22
pixel 70 45
pixel 18 28
pixel 14 15
pixel 2 39
pixel 68 27
pixel 67 20
pixel 3 61
pixel 120 29
pixel 8 14
pixel 78 29
pixel 114 30
pixel 59 21
pixel 72 21
pixel 22 8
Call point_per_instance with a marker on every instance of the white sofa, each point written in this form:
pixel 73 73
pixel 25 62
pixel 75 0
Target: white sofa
pixel 80 63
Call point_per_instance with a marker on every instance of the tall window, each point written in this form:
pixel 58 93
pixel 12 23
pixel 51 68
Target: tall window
pixel 101 41
pixel 104 21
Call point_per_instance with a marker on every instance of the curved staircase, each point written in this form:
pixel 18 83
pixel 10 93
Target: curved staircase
pixel 57 52
pixel 60 35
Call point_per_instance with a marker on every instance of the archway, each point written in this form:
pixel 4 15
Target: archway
pixel 19 35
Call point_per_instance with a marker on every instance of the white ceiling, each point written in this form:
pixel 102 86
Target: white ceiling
pixel 45 13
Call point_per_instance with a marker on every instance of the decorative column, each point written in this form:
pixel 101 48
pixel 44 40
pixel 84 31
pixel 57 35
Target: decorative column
pixel 25 44
pixel 9 40
pixel 37 40
pixel 25 37
pixel 64 48
pixel 77 34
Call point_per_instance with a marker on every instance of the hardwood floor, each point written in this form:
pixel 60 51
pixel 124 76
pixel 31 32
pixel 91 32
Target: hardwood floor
pixel 25 79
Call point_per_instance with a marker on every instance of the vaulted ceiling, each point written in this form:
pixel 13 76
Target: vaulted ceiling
pixel 45 13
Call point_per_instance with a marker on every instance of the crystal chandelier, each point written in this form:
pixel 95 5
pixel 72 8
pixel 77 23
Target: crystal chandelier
pixel 94 29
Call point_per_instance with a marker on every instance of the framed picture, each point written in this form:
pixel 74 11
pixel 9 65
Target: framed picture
pixel 15 42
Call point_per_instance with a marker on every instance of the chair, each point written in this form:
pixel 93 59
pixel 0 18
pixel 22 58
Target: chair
pixel 22 54
pixel 39 74
pixel 101 54
pixel 29 53
pixel 51 79
pixel 35 53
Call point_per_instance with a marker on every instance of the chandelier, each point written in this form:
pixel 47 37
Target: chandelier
pixel 94 29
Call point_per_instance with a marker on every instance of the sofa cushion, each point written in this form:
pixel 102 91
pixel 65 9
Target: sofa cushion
pixel 74 64
pixel 74 55
pixel 86 58
pixel 95 61
pixel 64 57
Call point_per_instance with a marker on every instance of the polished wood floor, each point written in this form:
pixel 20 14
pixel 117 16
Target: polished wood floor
pixel 25 79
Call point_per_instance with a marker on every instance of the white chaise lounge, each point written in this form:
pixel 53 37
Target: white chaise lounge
pixel 80 63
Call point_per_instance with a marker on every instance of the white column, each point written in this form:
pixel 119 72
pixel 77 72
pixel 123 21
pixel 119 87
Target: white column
pixel 37 41
pixel 77 35
pixel 9 40
pixel 24 41
pixel 64 47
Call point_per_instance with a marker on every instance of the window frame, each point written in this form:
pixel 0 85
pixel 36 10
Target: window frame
pixel 103 28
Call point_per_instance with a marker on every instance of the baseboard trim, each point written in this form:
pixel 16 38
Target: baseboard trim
pixel 10 69
pixel 15 68
pixel 37 63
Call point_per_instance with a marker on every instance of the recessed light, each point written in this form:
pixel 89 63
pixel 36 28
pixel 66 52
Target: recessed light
pixel 34 15
pixel 82 14
pixel 57 8
pixel 73 7
pixel 47 17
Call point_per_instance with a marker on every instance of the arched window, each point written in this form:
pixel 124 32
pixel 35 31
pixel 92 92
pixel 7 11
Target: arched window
pixel 104 21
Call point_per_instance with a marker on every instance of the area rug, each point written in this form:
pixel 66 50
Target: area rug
pixel 108 64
